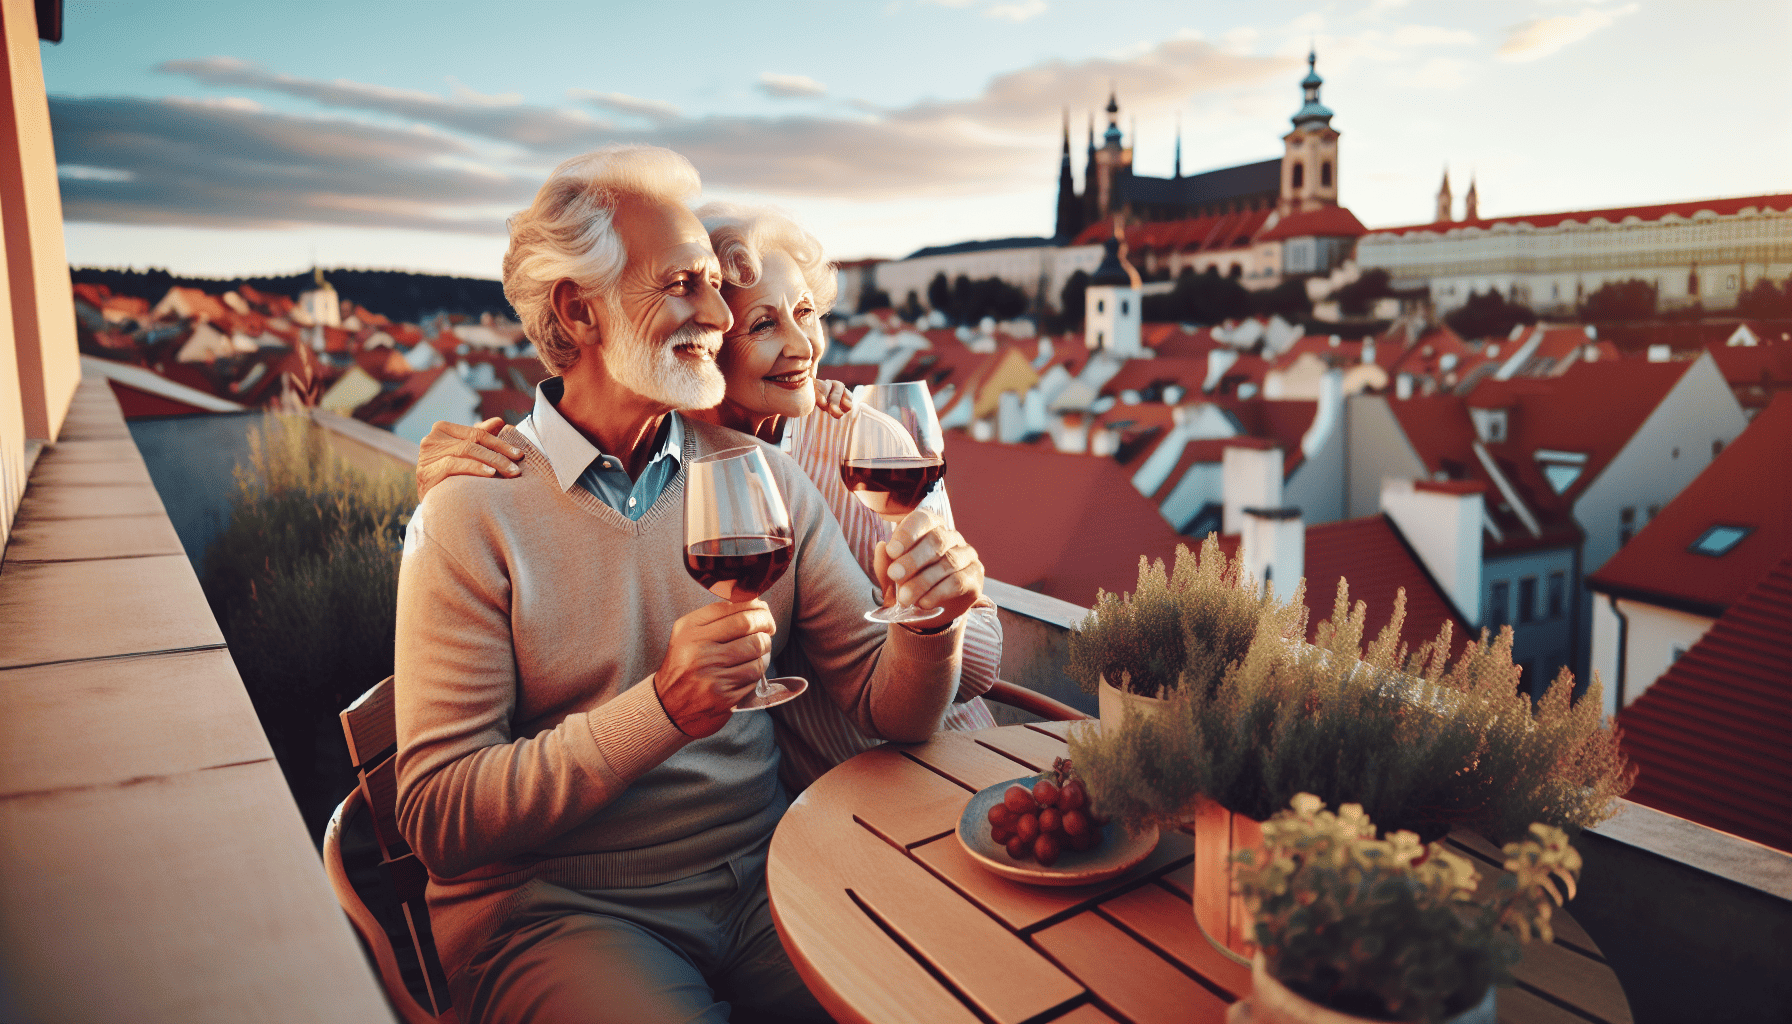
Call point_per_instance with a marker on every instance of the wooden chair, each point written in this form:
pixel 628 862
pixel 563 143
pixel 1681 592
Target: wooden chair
pixel 378 880
pixel 1033 702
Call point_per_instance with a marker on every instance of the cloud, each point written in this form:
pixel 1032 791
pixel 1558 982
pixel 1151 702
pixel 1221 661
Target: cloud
pixel 615 102
pixel 1439 73
pixel 789 87
pixel 226 162
pixel 1017 12
pixel 1541 37
pixel 182 162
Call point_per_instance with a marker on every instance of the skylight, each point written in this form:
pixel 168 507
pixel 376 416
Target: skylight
pixel 1561 469
pixel 1561 477
pixel 1718 540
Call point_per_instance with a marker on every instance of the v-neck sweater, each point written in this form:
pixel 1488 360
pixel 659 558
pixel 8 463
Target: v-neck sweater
pixel 531 740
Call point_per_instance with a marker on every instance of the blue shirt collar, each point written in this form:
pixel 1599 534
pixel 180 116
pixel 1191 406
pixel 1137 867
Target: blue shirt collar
pixel 567 450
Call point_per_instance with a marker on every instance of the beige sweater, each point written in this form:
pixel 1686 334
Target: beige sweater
pixel 531 742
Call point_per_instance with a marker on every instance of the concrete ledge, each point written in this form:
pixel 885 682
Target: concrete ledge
pixel 366 447
pixel 153 866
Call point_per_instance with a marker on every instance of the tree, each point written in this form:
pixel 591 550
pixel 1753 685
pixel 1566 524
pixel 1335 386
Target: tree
pixel 1765 301
pixel 1620 300
pixel 874 298
pixel 1205 298
pixel 1358 297
pixel 1488 315
pixel 1288 300
pixel 1070 300
pixel 911 309
pixel 939 294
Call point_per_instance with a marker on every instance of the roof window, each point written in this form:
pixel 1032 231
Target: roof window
pixel 1561 469
pixel 1718 540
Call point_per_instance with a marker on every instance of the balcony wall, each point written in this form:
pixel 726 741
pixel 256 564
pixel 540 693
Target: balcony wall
pixel 154 866
pixel 1696 923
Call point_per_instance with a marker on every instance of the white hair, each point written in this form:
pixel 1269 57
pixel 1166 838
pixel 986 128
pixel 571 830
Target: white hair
pixel 569 232
pixel 742 235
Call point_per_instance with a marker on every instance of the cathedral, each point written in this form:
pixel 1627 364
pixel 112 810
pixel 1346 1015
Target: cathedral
pixel 1304 179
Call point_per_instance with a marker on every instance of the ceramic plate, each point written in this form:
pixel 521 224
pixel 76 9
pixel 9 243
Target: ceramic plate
pixel 1117 851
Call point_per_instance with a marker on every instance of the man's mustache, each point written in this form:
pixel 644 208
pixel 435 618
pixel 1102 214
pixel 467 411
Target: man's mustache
pixel 690 334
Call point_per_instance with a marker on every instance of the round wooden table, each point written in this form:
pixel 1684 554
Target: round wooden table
pixel 888 920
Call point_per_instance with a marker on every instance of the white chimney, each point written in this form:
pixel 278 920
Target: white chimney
pixel 1250 478
pixel 1274 548
pixel 1403 386
pixel 1442 520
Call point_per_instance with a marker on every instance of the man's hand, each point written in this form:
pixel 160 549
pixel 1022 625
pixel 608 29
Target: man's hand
pixel 833 397
pixel 716 656
pixel 931 566
pixel 453 450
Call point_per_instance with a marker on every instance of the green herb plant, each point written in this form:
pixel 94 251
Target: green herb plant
pixel 1179 627
pixel 1421 743
pixel 304 584
pixel 1391 928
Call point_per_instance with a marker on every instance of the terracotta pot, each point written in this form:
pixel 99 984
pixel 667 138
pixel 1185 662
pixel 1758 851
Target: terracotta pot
pixel 1272 1002
pixel 1113 703
pixel 1220 912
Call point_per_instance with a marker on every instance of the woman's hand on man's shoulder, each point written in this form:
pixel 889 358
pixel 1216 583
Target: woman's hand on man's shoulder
pixel 451 449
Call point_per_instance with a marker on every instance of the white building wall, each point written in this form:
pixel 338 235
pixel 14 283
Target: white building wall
pixel 1656 637
pixel 1552 268
pixel 1026 269
pixel 449 398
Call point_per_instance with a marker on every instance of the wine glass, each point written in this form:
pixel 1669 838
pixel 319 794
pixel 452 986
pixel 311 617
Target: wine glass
pixel 895 457
pixel 738 542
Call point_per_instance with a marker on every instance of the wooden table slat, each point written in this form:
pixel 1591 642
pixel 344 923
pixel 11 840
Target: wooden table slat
pixel 912 804
pixel 1156 914
pixel 845 958
pixel 1036 750
pixel 1088 1013
pixel 960 758
pixel 1023 906
pixel 1517 1006
pixel 1567 929
pixel 1141 986
pixel 1058 729
pixel 1575 979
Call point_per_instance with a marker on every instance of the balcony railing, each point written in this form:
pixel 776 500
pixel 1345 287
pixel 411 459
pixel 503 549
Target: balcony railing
pixel 156 868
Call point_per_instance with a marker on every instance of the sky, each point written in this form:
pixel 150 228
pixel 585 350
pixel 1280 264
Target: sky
pixel 229 137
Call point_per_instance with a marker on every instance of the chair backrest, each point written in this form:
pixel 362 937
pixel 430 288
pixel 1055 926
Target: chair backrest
pixel 370 729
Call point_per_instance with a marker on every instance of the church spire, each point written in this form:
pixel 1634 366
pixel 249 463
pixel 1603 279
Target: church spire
pixel 1111 137
pixel 1177 171
pixel 1444 200
pixel 1070 209
pixel 1471 203
pixel 1312 114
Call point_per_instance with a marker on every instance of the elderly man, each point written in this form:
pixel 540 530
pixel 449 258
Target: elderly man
pixel 594 820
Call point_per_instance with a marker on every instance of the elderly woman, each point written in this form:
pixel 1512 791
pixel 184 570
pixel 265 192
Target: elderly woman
pixel 778 287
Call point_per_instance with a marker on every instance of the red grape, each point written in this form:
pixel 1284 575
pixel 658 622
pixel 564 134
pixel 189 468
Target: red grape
pixel 1027 828
pixel 1049 820
pixel 1076 823
pixel 1073 796
pixel 1001 835
pixel 1017 849
pixel 1046 848
pixel 1001 817
pixel 1046 792
pixel 1019 800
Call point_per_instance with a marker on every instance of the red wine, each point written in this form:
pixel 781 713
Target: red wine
pixel 892 487
pixel 738 568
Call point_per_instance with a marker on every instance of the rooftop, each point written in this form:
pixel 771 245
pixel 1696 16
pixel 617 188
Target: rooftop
pixel 1614 215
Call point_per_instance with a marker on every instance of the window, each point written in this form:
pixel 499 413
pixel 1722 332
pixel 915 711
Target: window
pixel 1626 525
pixel 1527 599
pixel 1101 305
pixel 1498 597
pixel 1325 174
pixel 1653 510
pixel 1556 593
pixel 1718 540
pixel 1730 282
pixel 1126 307
pixel 1300 175
pixel 1674 653
pixel 1717 447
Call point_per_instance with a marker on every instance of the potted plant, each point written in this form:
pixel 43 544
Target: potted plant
pixel 1423 744
pixel 1350 927
pixel 1179 627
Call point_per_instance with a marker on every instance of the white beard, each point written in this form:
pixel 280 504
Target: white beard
pixel 656 371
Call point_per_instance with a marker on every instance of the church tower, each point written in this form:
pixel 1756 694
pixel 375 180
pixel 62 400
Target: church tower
pixel 1070 208
pixel 1471 204
pixel 1310 154
pixel 1445 201
pixel 1111 162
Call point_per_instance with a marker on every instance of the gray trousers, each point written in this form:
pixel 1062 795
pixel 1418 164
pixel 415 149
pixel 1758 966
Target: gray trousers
pixel 698 949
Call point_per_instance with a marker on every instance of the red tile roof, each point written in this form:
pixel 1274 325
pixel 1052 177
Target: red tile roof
pixel 388 407
pixel 1614 215
pixel 1755 372
pixel 1709 738
pixel 1059 524
pixel 1325 222
pixel 1371 555
pixel 1173 342
pixel 1195 234
pixel 508 404
pixel 1748 484
pixel 851 374
pixel 1139 374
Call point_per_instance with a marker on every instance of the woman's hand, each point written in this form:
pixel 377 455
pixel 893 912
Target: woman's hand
pixel 833 396
pixel 453 450
pixel 931 566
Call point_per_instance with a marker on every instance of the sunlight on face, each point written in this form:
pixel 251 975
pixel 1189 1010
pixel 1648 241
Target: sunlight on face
pixel 769 357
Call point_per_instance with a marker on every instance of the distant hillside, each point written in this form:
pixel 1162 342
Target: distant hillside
pixel 393 293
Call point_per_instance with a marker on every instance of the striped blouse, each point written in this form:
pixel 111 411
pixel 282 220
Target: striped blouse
pixel 817 442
